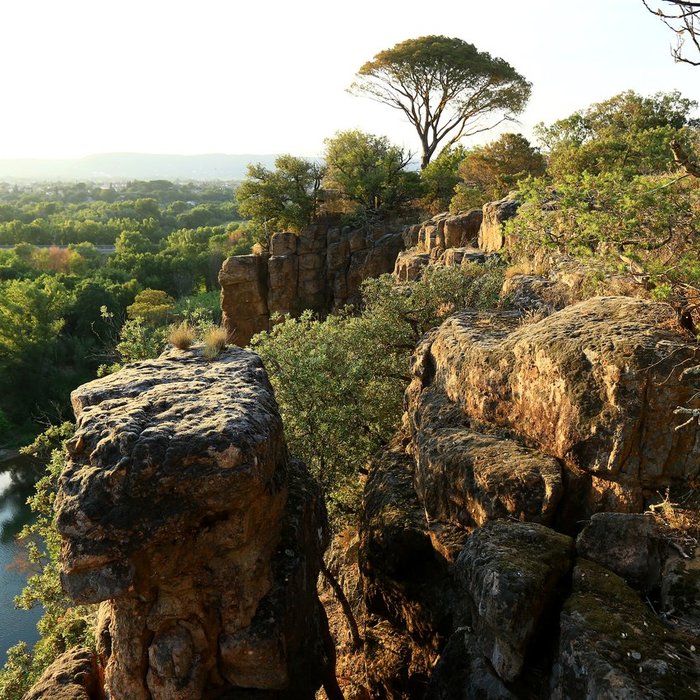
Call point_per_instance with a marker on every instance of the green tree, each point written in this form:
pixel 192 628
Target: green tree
pixel 340 382
pixel 133 242
pixel 489 172
pixel 439 179
pixel 646 224
pixel 445 87
pixel 152 306
pixel 32 316
pixel 628 133
pixel 369 173
pixel 285 198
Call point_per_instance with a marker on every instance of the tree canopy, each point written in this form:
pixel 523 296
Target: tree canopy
pixel 283 198
pixel 368 173
pixel 629 133
pixel 489 172
pixel 446 88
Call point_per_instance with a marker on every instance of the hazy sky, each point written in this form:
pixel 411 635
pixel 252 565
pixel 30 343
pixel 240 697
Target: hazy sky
pixel 269 76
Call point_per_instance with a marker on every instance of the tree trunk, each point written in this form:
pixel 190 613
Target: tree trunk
pixel 357 641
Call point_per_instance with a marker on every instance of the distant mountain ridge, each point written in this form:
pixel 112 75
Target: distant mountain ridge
pixel 134 166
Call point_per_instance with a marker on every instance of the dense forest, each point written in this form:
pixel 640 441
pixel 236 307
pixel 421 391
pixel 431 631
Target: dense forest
pixel 73 259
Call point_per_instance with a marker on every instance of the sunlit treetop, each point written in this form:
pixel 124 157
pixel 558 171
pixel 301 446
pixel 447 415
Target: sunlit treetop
pixel 446 87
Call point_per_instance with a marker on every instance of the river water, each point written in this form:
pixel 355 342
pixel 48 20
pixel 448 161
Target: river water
pixel 17 477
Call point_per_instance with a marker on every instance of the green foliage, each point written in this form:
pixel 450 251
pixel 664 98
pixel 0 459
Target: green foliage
pixel 340 382
pixel 152 306
pixel 627 133
pixel 31 318
pixel 203 309
pixel 55 280
pixel 489 172
pixel 439 179
pixel 646 223
pixel 63 625
pixel 281 199
pixel 137 341
pixel 368 174
pixel 445 87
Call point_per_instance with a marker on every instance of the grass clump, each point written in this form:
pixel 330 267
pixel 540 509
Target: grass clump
pixel 214 342
pixel 182 336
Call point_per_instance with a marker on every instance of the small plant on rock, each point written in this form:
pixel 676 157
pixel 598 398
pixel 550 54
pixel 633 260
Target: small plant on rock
pixel 214 342
pixel 182 336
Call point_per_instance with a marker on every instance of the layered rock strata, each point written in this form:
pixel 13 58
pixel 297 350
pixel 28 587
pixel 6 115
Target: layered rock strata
pixel 321 269
pixel 181 512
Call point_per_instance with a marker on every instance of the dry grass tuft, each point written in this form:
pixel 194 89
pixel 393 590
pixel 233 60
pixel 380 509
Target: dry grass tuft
pixel 527 266
pixel 214 342
pixel 535 315
pixel 182 336
pixel 679 519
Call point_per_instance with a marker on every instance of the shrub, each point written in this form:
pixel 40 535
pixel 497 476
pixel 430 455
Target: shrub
pixel 63 624
pixel 644 225
pixel 340 382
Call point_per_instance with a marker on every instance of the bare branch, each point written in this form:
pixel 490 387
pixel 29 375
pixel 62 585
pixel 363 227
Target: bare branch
pixel 683 18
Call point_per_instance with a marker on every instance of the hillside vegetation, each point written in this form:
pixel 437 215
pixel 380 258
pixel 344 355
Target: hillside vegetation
pixel 611 189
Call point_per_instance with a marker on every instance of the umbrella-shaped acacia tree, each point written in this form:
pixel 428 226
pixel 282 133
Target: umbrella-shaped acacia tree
pixel 446 87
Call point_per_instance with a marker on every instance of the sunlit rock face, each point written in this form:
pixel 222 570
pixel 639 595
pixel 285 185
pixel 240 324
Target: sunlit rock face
pixel 516 437
pixel 320 269
pixel 182 513
pixel 492 231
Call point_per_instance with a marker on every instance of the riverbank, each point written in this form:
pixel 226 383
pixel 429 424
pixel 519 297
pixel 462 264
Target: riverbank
pixel 18 474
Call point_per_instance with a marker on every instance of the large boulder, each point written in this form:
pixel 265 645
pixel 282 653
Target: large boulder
pixel 74 675
pixel 629 544
pixel 514 577
pixel 410 264
pixel 594 385
pixel 462 229
pixel 464 673
pixel 244 285
pixel 468 477
pixel 612 646
pixel 180 508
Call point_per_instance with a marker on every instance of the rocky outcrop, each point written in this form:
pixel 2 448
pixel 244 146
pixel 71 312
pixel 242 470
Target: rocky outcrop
pixel 516 437
pixel 491 233
pixel 628 544
pixel 410 264
pixel 594 386
pixel 181 510
pixel 513 575
pixel 74 675
pixel 443 231
pixel 454 240
pixel 320 269
pixel 612 646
